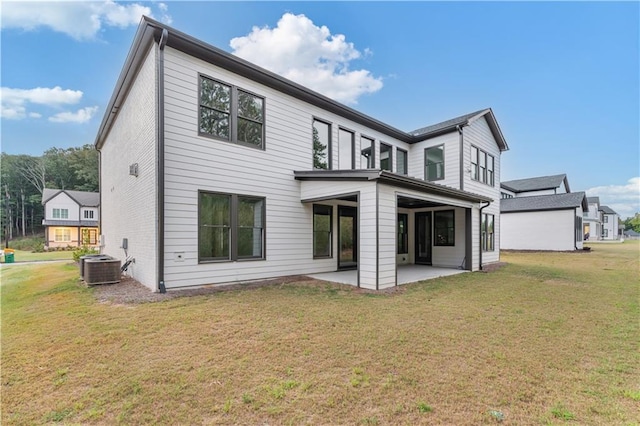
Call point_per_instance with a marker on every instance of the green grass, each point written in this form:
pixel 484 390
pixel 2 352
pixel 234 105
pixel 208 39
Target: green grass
pixel 547 339
pixel 27 256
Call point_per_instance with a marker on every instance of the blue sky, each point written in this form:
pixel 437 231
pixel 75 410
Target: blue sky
pixel 562 78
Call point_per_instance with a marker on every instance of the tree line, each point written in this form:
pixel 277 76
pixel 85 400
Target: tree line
pixel 23 179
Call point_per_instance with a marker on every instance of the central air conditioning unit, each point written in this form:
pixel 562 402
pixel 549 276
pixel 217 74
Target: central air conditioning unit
pixel 101 271
pixel 86 257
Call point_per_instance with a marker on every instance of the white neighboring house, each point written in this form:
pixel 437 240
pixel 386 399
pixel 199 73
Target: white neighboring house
pixel 71 218
pixel 610 224
pixel 592 220
pixel 214 170
pixel 541 213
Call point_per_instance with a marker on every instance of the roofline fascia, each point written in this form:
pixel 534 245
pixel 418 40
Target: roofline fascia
pixel 539 210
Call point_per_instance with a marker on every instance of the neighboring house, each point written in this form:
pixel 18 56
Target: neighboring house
pixel 71 218
pixel 630 234
pixel 541 213
pixel 592 220
pixel 214 170
pixel 610 223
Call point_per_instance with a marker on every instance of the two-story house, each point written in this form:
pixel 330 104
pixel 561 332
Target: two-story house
pixel 592 220
pixel 71 218
pixel 214 170
pixel 610 223
pixel 541 213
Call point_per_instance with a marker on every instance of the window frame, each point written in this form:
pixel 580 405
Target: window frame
pixel 405 162
pixel 88 214
pixel 605 218
pixel 234 228
pixel 371 161
pixel 329 144
pixel 426 163
pixel 65 231
pixel 234 116
pixel 61 213
pixel 390 169
pixel 487 237
pixel 402 238
pixel 446 243
pixel 483 173
pixel 352 144
pixel 329 209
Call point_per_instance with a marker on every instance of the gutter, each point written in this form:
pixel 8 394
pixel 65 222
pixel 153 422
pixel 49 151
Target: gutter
pixel 160 164
pixel 480 233
pixel 460 132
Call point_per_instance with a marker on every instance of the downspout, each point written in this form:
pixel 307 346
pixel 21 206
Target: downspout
pixel 480 233
pixel 459 128
pixel 160 165
pixel 575 228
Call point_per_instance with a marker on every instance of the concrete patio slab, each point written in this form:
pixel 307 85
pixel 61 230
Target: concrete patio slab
pixel 406 274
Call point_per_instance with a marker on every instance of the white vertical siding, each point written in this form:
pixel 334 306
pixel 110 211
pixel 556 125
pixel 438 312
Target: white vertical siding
pixel 542 230
pixel 128 203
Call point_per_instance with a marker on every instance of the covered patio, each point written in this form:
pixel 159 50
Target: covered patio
pixel 406 274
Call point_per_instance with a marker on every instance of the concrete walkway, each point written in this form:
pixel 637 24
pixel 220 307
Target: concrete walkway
pixel 406 274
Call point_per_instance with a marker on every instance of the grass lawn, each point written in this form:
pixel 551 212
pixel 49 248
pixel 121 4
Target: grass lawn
pixel 27 256
pixel 547 339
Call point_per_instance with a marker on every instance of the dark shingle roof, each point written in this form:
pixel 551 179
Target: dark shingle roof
pixel 535 184
pixel 607 210
pixel 446 124
pixel 85 199
pixel 592 200
pixel 544 202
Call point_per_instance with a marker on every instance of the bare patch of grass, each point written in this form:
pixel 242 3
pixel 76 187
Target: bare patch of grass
pixel 546 337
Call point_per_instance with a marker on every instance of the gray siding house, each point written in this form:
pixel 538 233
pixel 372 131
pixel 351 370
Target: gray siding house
pixel 214 170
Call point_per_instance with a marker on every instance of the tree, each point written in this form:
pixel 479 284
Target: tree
pixel 633 222
pixel 319 152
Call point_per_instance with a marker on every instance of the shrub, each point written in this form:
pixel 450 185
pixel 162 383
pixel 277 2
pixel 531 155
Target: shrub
pixel 82 251
pixel 27 243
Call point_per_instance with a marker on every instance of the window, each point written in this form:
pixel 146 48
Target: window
pixel 444 228
pixel 579 236
pixel 403 233
pixel 367 153
pixel 230 227
pixel 401 162
pixel 345 149
pixel 321 144
pixel 606 218
pixel 61 213
pixel 322 226
pixel 89 236
pixel 434 163
pixel 605 233
pixel 230 114
pixel 88 214
pixel 505 195
pixel 385 157
pixel 486 228
pixel 482 166
pixel 62 235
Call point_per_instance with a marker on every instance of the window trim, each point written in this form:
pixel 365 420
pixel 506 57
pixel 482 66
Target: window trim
pixel 435 234
pixel 329 208
pixel 329 143
pixel 406 161
pixel 233 114
pixel 233 228
pixel 88 214
pixel 65 231
pixel 390 169
pixel 426 159
pixel 60 211
pixel 353 147
pixel 483 174
pixel 373 151
pixel 484 228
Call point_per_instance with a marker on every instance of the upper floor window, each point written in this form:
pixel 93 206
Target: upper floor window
pixel 386 157
pixel 230 114
pixel 505 195
pixel 482 166
pixel 605 218
pixel 61 213
pixel 88 214
pixel 401 162
pixel 346 148
pixel 434 163
pixel 321 144
pixel 367 153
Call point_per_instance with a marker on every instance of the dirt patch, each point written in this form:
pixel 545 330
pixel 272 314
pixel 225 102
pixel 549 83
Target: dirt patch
pixel 492 267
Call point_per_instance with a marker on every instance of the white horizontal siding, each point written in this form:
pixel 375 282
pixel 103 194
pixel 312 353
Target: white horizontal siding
pixel 539 192
pixel 451 142
pixel 544 230
pixel 62 201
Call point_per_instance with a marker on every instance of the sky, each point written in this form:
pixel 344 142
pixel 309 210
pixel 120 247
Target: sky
pixel 562 78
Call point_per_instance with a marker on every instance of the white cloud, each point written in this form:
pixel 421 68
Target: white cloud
pixel 623 199
pixel 80 20
pixel 13 102
pixel 81 116
pixel 310 55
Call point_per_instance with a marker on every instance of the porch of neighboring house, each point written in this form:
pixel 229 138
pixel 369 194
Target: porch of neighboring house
pixel 406 274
